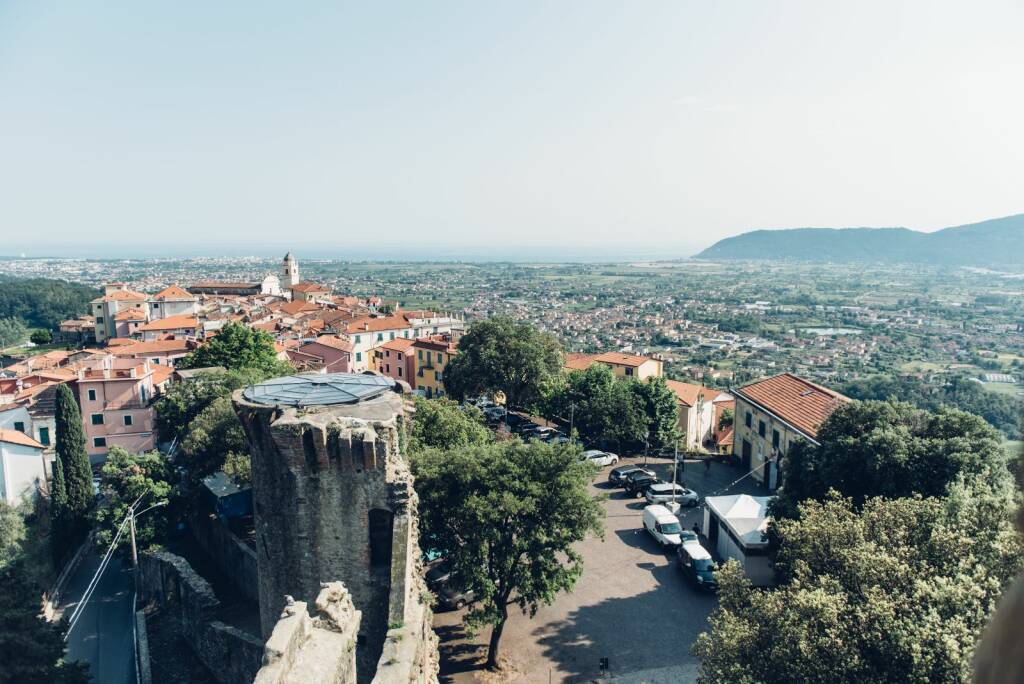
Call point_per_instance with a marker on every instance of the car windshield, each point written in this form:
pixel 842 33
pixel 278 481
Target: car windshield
pixel 704 565
pixel 670 528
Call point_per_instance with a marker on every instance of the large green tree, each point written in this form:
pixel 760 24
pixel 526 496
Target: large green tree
pixel 237 346
pixel 503 355
pixel 506 516
pixel 183 401
pixel 896 591
pixel 73 492
pixel 31 649
pixel 12 332
pixel 444 424
pixel 43 302
pixel 661 412
pixel 126 477
pixel 212 435
pixel 891 449
pixel 12 533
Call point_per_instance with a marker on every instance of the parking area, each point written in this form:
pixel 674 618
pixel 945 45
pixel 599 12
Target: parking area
pixel 631 606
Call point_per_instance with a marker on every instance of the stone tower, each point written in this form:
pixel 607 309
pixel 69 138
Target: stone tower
pixel 290 271
pixel 333 501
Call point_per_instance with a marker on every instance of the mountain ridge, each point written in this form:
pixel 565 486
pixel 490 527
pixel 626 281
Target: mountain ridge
pixel 995 242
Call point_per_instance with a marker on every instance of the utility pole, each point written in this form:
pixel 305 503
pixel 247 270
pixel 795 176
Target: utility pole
pixel 135 550
pixel 572 416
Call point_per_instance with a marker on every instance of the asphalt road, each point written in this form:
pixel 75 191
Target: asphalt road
pixel 102 636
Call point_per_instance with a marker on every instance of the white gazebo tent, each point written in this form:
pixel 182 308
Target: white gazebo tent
pixel 735 527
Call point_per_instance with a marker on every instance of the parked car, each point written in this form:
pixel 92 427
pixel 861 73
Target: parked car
pixel 526 428
pixel 661 524
pixel 494 414
pixel 540 433
pixel 448 598
pixel 689 537
pixel 618 475
pixel 668 492
pixel 558 438
pixel 600 458
pixel 637 482
pixel 697 566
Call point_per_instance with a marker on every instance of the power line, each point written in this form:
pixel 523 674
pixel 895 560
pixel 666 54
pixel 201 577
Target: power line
pixel 77 613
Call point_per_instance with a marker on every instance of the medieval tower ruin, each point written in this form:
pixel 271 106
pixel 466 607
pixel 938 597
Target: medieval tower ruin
pixel 333 501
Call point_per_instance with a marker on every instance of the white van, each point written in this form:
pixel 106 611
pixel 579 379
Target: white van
pixel 662 525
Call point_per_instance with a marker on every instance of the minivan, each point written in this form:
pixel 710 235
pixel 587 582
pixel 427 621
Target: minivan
pixel 697 566
pixel 662 525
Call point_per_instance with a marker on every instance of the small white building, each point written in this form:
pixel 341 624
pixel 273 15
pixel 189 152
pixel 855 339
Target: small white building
pixel 735 527
pixel 22 466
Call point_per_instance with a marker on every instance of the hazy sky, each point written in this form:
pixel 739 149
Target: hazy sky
pixel 585 126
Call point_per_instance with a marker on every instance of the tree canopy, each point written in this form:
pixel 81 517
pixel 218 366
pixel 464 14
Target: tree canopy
pixel 237 346
pixel 126 477
pixel 890 449
pixel 899 590
pixel 43 302
pixel 212 435
pixel 183 401
pixel 12 332
pixel 72 475
pixel 503 355
pixel 506 517
pixel 444 424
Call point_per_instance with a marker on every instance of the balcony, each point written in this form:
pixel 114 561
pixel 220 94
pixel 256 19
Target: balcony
pixel 124 405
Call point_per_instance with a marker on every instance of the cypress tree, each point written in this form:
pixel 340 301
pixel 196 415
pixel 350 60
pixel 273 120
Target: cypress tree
pixel 77 474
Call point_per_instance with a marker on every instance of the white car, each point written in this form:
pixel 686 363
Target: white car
pixel 600 458
pixel 666 492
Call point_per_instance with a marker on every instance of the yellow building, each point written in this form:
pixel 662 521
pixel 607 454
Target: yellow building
pixel 622 365
pixel 430 357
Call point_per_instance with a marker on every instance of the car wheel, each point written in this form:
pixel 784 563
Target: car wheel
pixel 460 604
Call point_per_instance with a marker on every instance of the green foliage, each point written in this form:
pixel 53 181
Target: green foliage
pixel 212 435
pixel 898 591
pixel 444 424
pixel 43 302
pixel 661 411
pixel 126 477
pixel 889 449
pixel 237 346
pixel 72 493
pixel 238 467
pixel 12 533
pixel 726 419
pixel 1001 411
pixel 12 332
pixel 183 401
pixel 506 516
pixel 31 649
pixel 501 354
pixel 41 336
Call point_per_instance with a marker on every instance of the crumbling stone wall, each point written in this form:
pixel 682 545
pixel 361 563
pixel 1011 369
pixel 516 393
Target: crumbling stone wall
pixel 233 557
pixel 321 648
pixel 333 501
pixel 231 655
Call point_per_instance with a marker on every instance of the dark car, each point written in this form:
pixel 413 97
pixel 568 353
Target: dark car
pixel 617 476
pixel 697 566
pixel 637 482
pixel 448 598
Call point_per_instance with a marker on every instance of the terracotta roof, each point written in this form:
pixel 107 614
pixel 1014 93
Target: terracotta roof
pixel 399 344
pixel 232 285
pixel 687 393
pixel 799 402
pixel 307 286
pixel 376 324
pixel 121 296
pixel 725 439
pixel 130 315
pixel 154 347
pixel 174 293
pixel 334 342
pixel 620 359
pixel 293 308
pixel 579 361
pixel 161 373
pixel 171 323
pixel 15 437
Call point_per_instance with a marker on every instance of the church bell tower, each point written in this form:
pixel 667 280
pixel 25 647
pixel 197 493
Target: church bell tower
pixel 291 271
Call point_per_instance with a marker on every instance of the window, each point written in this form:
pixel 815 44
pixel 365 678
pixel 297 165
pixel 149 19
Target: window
pixel 761 427
pixel 438 374
pixel 419 354
pixel 99 442
pixel 405 334
pixel 127 421
pixel 97 419
pixel 19 426
pixel 380 337
pixel 387 367
pixel 92 395
pixel 99 319
pixel 381 524
pixel 749 419
pixel 156 306
pixel 775 439
pixel 440 357
pixel 399 371
pixel 391 335
pixel 629 371
pixel 44 436
pixel 359 356
pixel 399 356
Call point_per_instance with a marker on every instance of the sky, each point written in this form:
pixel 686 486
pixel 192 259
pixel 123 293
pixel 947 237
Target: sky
pixel 470 129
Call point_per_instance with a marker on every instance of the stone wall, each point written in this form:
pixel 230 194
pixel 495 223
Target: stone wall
pixel 333 501
pixel 231 655
pixel 318 648
pixel 235 559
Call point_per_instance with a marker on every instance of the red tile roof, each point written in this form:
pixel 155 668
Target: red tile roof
pixel 121 296
pixel 620 359
pixel 174 293
pixel 579 361
pixel 307 286
pixel 687 393
pixel 130 315
pixel 15 437
pixel 171 323
pixel 376 324
pixel 799 402
pixel 399 344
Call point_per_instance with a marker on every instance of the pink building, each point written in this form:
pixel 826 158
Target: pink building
pixel 116 397
pixel 330 353
pixel 394 360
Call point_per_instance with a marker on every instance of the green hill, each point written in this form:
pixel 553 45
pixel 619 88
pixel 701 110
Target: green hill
pixel 997 243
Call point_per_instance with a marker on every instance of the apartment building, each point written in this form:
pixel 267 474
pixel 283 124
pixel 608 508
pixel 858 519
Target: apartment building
pixel 116 396
pixel 623 365
pixel 116 298
pixel 395 359
pixel 430 359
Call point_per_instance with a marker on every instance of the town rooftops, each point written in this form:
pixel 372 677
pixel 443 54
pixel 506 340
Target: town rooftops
pixel 174 294
pixel 376 324
pixel 687 393
pixel 130 315
pixel 399 344
pixel 798 402
pixel 171 323
pixel 620 359
pixel 306 286
pixel 154 347
pixel 121 296
pixel 334 342
pixel 16 437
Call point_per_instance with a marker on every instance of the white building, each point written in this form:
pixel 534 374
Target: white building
pixel 290 271
pixel 172 301
pixel 23 466
pixel 735 527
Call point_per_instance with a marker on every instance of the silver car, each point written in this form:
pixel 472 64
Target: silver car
pixel 666 492
pixel 600 458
